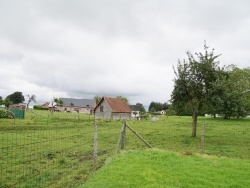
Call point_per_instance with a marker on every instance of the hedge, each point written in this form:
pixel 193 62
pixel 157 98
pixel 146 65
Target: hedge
pixel 6 114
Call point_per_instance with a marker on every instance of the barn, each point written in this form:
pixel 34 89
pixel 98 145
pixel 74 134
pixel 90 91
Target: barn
pixel 112 108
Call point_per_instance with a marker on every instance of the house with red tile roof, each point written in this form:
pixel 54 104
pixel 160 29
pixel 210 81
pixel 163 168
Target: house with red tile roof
pixel 112 108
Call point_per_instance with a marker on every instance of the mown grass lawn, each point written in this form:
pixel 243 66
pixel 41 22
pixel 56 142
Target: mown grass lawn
pixel 158 168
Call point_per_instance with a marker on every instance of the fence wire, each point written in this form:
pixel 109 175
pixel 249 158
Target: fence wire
pixel 57 149
pixel 46 150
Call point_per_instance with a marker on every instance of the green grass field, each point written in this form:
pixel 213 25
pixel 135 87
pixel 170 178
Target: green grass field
pixel 158 168
pixel 55 150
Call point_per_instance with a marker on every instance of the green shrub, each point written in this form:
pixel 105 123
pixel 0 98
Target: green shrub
pixel 6 114
pixel 39 107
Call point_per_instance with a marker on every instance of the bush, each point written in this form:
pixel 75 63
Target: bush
pixel 6 114
pixel 39 107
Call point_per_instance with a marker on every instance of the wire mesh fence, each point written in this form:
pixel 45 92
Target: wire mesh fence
pixel 218 137
pixel 46 151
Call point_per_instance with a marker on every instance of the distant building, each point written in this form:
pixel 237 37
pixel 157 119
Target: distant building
pixel 112 108
pixel 136 111
pixel 18 106
pixel 76 105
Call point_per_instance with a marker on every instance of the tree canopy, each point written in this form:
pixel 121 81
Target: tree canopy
pixel 122 98
pixel 142 107
pixel 193 84
pixel 1 100
pixel 97 99
pixel 235 97
pixel 157 106
pixel 16 97
pixel 57 101
pixel 7 102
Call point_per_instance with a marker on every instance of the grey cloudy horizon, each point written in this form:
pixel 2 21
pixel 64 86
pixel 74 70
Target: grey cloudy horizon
pixel 80 48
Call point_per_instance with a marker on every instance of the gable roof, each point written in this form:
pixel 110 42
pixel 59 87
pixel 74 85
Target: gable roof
pixel 116 105
pixel 135 107
pixel 46 105
pixel 78 102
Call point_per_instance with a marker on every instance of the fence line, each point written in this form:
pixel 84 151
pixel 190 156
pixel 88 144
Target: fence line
pixel 54 151
pixel 43 155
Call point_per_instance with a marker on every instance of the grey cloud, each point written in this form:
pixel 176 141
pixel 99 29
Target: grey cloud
pixel 84 48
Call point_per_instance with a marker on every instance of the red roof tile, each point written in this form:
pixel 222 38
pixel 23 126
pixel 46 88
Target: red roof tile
pixel 118 105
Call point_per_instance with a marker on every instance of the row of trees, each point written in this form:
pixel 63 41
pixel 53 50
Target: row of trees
pixel 202 86
pixel 16 97
pixel 157 106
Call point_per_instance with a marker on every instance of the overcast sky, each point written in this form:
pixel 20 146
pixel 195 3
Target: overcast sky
pixel 83 48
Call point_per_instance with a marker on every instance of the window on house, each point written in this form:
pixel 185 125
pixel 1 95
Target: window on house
pixel 101 108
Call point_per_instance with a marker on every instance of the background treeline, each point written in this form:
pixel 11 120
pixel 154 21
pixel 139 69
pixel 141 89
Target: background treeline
pixel 157 106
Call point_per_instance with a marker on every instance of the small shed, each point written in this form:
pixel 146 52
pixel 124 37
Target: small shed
pixel 18 106
pixel 18 110
pixel 112 108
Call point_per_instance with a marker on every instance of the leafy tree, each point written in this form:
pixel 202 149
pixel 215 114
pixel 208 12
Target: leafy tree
pixel 165 106
pixel 193 82
pixel 143 111
pixel 16 97
pixel 157 106
pixel 171 110
pixel 1 100
pixel 235 101
pixel 7 102
pixel 135 113
pixel 30 98
pixel 57 101
pixel 152 109
pixel 97 99
pixel 122 98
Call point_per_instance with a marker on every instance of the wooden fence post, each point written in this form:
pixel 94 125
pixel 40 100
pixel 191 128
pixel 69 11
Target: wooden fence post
pixel 95 146
pixel 123 135
pixel 202 138
pixel 119 139
pixel 48 119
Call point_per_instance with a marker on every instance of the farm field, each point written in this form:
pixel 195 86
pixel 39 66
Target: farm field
pixel 55 150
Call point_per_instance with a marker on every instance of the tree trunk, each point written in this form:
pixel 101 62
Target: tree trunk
pixel 194 124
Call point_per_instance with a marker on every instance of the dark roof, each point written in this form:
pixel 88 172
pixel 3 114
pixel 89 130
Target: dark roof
pixel 135 107
pixel 78 102
pixel 116 105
